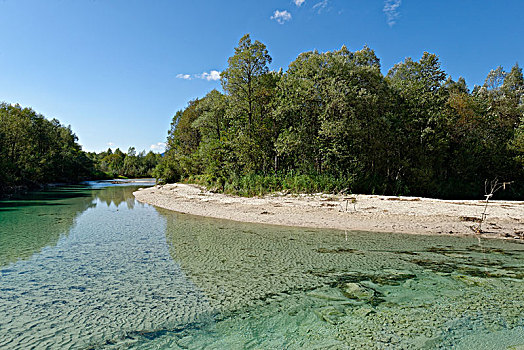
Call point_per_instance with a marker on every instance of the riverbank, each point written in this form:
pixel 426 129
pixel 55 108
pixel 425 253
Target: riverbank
pixel 413 215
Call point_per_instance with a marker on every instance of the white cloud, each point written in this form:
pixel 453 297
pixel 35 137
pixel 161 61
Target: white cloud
pixel 320 6
pixel 211 76
pixel 281 16
pixel 184 76
pixel 159 147
pixel 299 2
pixel 391 11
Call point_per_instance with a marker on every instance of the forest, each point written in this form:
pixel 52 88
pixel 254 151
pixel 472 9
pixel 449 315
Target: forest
pixel 332 122
pixel 35 151
pixel 116 163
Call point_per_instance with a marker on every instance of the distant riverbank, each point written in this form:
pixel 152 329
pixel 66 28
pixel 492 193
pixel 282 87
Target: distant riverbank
pixel 414 215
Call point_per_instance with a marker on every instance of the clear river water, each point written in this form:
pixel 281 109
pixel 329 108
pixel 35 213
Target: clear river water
pixel 88 267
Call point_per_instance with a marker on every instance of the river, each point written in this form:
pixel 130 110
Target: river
pixel 88 267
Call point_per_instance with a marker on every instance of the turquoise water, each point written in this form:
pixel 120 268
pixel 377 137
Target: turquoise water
pixel 89 267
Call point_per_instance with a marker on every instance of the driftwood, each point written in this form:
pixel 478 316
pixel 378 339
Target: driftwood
pixel 492 187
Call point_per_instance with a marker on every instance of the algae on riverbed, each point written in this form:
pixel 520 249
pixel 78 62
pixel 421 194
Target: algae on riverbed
pixel 308 288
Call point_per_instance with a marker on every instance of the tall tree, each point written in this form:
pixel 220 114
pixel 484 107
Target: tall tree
pixel 250 89
pixel 422 132
pixel 242 79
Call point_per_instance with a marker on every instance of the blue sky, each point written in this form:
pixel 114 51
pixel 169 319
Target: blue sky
pixel 118 70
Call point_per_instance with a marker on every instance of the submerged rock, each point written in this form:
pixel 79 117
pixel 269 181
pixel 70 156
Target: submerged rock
pixel 470 280
pixel 325 295
pixel 393 277
pixel 356 291
pixel 442 267
pixel 363 311
pixel 389 277
pixel 330 314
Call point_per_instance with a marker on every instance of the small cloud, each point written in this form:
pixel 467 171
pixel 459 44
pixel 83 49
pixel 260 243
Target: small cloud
pixel 110 144
pixel 391 11
pixel 158 147
pixel 281 16
pixel 320 6
pixel 213 75
pixel 299 2
pixel 184 76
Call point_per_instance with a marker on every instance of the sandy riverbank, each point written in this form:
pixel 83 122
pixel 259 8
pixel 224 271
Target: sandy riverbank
pixel 354 212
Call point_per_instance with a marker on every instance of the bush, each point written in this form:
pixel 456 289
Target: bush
pixel 257 185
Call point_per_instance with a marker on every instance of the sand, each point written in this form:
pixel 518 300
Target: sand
pixel 505 219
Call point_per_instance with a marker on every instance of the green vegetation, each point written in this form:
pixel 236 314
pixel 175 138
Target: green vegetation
pixel 125 165
pixel 334 122
pixel 36 151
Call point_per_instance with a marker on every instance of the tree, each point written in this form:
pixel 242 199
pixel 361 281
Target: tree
pixel 333 107
pixel 333 121
pixel 35 150
pixel 250 89
pixel 242 79
pixel 517 144
pixel 422 126
pixel 212 120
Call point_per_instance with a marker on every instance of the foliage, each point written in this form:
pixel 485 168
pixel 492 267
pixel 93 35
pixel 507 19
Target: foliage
pixel 34 150
pixel 258 185
pixel 115 164
pixel 332 121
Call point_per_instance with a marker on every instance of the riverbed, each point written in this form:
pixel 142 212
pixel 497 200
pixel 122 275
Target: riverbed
pixel 90 267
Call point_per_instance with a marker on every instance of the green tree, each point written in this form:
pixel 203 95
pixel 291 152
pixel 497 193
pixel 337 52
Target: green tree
pixel 242 80
pixel 212 121
pixel 35 150
pixel 332 121
pixel 250 89
pixel 422 131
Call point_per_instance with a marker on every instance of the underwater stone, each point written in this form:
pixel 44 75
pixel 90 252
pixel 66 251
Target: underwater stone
pixel 185 342
pixel 469 280
pixel 330 314
pixel 393 277
pixel 327 296
pixel 356 291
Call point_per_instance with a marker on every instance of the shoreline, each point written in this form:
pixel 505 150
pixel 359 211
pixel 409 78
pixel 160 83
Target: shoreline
pixel 389 214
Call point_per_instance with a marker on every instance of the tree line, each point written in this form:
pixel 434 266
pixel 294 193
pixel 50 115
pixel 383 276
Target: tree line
pixel 333 122
pixel 36 151
pixel 120 164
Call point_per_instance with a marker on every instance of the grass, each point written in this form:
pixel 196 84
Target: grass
pixel 259 185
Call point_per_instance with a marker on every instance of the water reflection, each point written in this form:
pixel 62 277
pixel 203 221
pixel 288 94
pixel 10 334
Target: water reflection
pixel 109 282
pixel 31 222
pixel 116 195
